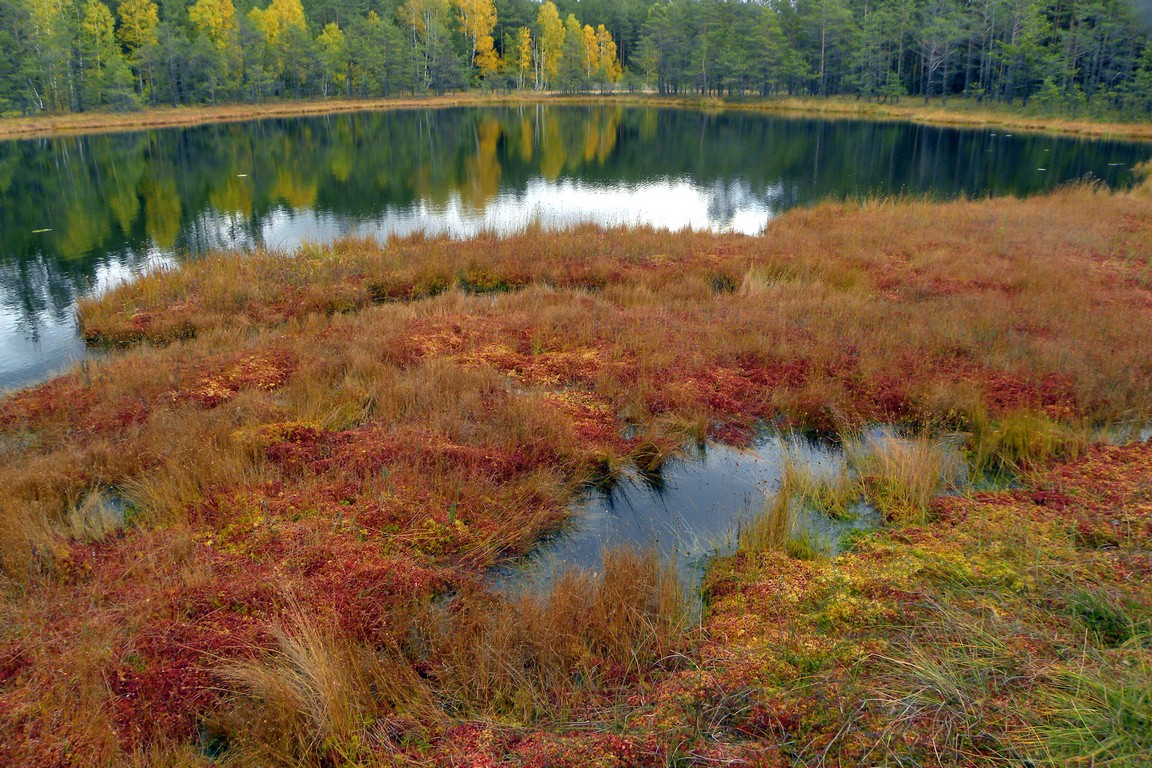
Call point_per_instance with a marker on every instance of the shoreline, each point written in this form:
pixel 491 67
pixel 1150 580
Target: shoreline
pixel 75 124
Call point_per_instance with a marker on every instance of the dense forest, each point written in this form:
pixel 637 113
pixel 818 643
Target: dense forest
pixel 1072 56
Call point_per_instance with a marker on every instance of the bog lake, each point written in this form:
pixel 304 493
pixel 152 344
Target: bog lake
pixel 79 214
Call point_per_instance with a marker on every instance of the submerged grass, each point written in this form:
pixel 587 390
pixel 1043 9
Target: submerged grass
pixel 368 428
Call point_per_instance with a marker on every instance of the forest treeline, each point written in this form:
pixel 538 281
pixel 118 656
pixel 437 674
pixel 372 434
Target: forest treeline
pixel 1068 56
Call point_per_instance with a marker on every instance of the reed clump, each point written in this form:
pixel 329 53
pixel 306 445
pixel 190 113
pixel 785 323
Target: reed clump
pixel 903 475
pixel 1022 440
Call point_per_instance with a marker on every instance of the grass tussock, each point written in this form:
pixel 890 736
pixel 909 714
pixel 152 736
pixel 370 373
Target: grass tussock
pixel 945 676
pixel 898 476
pixel 98 516
pixel 1112 623
pixel 526 657
pixel 972 679
pixel 778 525
pixel 774 525
pixel 904 475
pixel 317 699
pixel 833 494
pixel 1022 440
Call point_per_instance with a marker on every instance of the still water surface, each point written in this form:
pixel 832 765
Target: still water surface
pixel 690 511
pixel 79 214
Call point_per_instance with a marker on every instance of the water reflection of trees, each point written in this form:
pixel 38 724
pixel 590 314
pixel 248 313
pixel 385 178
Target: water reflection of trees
pixel 106 199
pixel 32 289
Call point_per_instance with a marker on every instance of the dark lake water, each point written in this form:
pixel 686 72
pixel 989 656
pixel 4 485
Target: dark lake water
pixel 79 214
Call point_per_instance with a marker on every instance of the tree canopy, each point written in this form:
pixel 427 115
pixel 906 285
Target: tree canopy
pixel 1064 55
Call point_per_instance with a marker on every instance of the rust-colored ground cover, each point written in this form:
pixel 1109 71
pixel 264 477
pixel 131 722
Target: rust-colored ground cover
pixel 294 460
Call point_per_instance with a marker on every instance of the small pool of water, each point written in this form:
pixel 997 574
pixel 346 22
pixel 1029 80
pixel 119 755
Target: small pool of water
pixel 690 511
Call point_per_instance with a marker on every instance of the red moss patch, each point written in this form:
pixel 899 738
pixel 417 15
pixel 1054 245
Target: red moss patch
pixel 63 395
pixel 13 660
pixel 265 371
pixel 166 677
pixel 1006 392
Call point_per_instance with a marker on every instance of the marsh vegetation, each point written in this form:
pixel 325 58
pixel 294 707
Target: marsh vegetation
pixel 259 529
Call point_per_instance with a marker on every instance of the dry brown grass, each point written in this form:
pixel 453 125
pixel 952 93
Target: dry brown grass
pixel 72 705
pixel 167 117
pixel 319 699
pixel 532 655
pixel 1050 295
pixel 958 112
